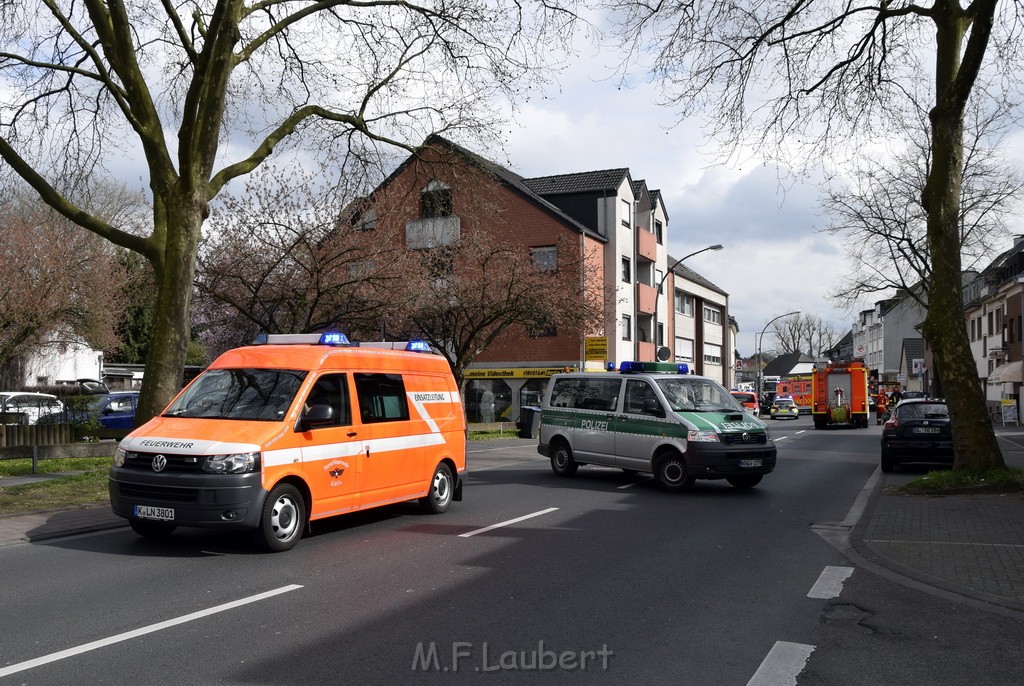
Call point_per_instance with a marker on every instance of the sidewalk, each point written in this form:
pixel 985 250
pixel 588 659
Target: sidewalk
pixel 961 546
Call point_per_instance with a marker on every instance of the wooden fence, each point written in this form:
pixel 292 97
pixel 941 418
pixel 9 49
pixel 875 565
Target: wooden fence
pixel 17 435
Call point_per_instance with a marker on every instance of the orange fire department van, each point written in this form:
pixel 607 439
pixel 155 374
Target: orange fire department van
pixel 298 428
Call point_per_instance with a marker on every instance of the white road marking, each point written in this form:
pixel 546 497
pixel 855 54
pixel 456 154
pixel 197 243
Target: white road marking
pixel 801 431
pixel 511 521
pixel 830 582
pixel 779 438
pixel 782 664
pixel 104 642
pixel 634 483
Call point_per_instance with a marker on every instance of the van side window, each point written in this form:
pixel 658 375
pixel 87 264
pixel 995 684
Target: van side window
pixel 586 394
pixel 332 389
pixel 637 392
pixel 599 394
pixel 381 398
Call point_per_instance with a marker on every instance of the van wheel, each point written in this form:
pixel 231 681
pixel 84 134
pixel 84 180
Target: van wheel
pixel 744 481
pixel 672 475
pixel 150 529
pixel 562 462
pixel 282 520
pixel 442 488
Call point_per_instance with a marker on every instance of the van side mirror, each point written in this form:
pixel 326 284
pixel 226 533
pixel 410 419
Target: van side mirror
pixel 317 415
pixel 653 407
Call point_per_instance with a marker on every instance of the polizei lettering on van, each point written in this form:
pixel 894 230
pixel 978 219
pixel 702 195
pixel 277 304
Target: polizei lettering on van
pixel 593 425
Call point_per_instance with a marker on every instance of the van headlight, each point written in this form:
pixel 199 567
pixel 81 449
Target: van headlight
pixel 236 463
pixel 703 436
pixel 119 456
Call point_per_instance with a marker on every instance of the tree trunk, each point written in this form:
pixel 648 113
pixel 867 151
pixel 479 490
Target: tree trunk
pixel 182 219
pixel 974 441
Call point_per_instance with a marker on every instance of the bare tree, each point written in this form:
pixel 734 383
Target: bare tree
pixel 807 333
pixel 60 284
pixel 482 289
pixel 879 212
pixel 813 80
pixel 202 92
pixel 280 259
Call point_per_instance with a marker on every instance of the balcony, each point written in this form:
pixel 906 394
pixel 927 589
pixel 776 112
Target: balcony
pixel 645 297
pixel 646 244
pixel 645 352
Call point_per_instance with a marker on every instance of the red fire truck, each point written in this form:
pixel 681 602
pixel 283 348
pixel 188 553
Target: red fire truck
pixel 840 394
pixel 797 387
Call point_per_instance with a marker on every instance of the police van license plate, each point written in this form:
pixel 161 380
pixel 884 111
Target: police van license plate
pixel 149 512
pixel 750 462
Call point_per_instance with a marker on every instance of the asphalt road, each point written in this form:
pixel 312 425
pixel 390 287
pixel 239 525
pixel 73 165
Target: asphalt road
pixel 532 579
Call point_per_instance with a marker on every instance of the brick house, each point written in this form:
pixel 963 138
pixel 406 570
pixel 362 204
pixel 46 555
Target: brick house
pixel 618 228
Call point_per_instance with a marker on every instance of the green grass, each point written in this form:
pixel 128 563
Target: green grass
pixel 87 486
pixel 947 478
pixel 495 433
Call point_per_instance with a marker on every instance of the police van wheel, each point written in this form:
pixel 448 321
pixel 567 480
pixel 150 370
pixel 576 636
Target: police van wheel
pixel 672 475
pixel 442 488
pixel 282 520
pixel 151 529
pixel 744 481
pixel 562 462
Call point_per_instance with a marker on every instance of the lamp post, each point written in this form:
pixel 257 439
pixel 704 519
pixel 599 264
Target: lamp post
pixel 760 340
pixel 657 292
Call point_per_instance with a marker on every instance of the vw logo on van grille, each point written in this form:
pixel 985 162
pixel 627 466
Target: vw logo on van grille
pixel 746 437
pixel 159 463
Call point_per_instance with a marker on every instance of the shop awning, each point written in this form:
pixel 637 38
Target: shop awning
pixel 1008 373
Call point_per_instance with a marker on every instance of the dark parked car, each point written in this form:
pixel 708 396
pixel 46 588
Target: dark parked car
pixel 111 410
pixel 918 430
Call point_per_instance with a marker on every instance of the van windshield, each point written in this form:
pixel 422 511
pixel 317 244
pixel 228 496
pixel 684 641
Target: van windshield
pixel 247 394
pixel 697 395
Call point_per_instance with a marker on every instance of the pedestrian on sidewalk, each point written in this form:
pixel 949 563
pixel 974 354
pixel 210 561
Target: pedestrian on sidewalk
pixel 881 407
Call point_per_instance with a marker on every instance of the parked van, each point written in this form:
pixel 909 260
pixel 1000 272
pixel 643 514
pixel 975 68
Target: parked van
pixel 653 417
pixel 299 428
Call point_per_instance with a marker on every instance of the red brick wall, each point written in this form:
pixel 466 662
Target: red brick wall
pixel 484 203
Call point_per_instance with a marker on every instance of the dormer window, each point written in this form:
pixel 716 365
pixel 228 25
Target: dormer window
pixel 436 200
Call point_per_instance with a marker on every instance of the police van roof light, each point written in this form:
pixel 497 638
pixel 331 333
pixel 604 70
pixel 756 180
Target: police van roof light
pixel 650 367
pixel 418 346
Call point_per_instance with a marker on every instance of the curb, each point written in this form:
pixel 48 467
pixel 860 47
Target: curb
pixel 862 554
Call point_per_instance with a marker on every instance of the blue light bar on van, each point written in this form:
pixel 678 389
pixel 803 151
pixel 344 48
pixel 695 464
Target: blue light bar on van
pixel 650 367
pixel 418 346
pixel 332 338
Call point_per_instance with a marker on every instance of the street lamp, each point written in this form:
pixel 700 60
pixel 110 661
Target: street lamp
pixel 760 340
pixel 657 293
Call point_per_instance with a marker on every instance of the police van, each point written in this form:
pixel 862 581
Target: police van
pixel 653 417
pixel 294 429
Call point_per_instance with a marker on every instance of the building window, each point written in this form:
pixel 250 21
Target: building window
pixel 684 304
pixel 712 315
pixel 627 327
pixel 661 333
pixel 545 259
pixel 712 353
pixel 627 214
pixel 627 272
pixel 659 277
pixel 365 221
pixel 542 331
pixel 436 200
pixel 684 349
pixel 659 232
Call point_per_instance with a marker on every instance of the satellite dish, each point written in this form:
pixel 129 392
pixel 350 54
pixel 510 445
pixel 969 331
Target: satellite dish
pixel 663 354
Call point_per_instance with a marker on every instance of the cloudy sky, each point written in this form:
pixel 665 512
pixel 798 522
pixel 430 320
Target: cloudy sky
pixel 776 259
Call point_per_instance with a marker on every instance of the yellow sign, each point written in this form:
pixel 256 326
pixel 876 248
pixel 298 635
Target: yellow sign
pixel 596 348
pixel 514 373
